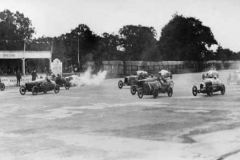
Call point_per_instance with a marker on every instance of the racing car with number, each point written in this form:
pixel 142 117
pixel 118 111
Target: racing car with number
pixel 210 83
pixel 165 77
pixel 154 86
pixel 39 85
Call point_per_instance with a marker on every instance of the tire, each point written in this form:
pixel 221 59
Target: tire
pixel 45 91
pixel 67 86
pixel 194 91
pixel 170 92
pixel 155 93
pixel 133 89
pixel 120 84
pixel 140 93
pixel 22 90
pixel 56 88
pixel 223 90
pixel 2 87
pixel 35 90
pixel 210 91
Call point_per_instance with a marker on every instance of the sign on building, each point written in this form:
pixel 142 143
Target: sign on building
pixel 56 67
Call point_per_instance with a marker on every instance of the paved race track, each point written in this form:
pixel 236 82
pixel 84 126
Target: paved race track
pixel 106 123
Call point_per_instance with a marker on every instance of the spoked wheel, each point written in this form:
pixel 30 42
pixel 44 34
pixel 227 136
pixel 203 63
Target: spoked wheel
pixel 22 90
pixel 140 93
pixel 170 92
pixel 56 88
pixel 120 84
pixel 155 93
pixel 35 90
pixel 2 87
pixel 133 89
pixel 210 91
pixel 194 91
pixel 67 86
pixel 223 90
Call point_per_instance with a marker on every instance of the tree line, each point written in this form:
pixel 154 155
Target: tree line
pixel 182 38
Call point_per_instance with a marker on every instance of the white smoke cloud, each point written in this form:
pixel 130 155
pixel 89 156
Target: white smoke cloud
pixel 87 78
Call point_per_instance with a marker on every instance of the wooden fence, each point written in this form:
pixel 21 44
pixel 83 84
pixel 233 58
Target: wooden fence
pixel 118 68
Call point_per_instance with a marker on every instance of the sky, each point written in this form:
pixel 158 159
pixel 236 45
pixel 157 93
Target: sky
pixel 56 17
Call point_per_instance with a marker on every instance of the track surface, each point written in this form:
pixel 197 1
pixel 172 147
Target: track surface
pixel 105 123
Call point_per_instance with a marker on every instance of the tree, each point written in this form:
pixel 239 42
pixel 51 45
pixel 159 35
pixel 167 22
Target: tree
pixel 136 40
pixel 15 28
pixel 80 41
pixel 185 38
pixel 108 46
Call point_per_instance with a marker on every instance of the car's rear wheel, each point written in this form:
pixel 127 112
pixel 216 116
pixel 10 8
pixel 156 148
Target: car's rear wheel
pixel 56 88
pixel 223 90
pixel 210 91
pixel 140 93
pixel 133 89
pixel 22 90
pixel 170 92
pixel 2 87
pixel 120 84
pixel 155 93
pixel 194 91
pixel 35 90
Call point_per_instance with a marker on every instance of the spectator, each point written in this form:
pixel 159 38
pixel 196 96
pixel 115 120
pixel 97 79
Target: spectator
pixel 34 75
pixel 18 76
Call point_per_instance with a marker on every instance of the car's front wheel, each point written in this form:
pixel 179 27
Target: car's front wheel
pixel 210 91
pixel 35 90
pixel 56 88
pixel 120 84
pixel 170 92
pixel 155 93
pixel 140 93
pixel 223 90
pixel 133 89
pixel 67 85
pixel 22 90
pixel 194 91
pixel 2 87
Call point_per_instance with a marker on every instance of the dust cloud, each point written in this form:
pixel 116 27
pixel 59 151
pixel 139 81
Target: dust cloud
pixel 88 78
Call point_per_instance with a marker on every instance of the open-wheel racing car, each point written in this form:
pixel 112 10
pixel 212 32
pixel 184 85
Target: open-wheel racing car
pixel 2 85
pixel 153 86
pixel 164 77
pixel 132 79
pixel 234 77
pixel 210 83
pixel 62 82
pixel 40 85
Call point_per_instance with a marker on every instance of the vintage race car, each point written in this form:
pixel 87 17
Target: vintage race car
pixel 62 82
pixel 2 86
pixel 210 83
pixel 153 86
pixel 234 77
pixel 132 79
pixel 74 80
pixel 164 75
pixel 40 85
